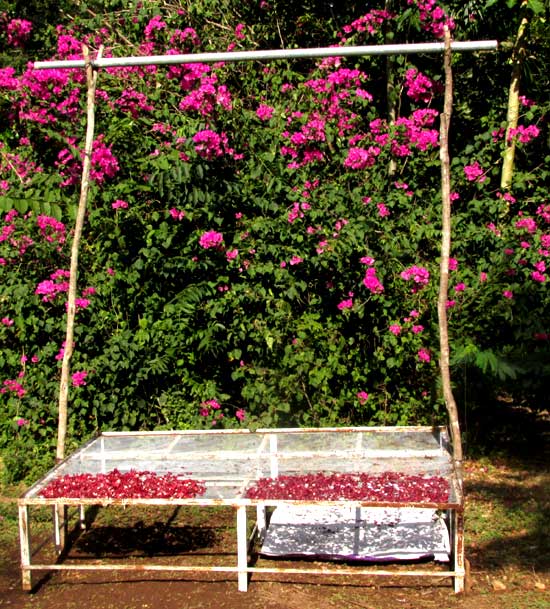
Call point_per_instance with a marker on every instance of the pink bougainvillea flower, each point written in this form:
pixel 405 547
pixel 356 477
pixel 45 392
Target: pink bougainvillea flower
pixel 79 378
pixel 362 396
pixel 119 204
pixel 231 254
pixel 419 275
pixel 345 304
pixel 240 414
pixel 474 173
pixel 395 329
pixel 210 239
pixel 7 321
pixel 177 214
pixel 22 422
pixel 371 281
pixel 508 294
pixel 424 355
pixel 264 112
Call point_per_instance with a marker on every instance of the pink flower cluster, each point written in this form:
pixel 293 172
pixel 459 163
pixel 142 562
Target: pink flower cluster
pixel 18 32
pixel 79 378
pixel 419 275
pixel 360 158
pixel 211 239
pixel 370 280
pixel 209 144
pixel 14 387
pixel 433 18
pixel 370 23
pixel 524 134
pixel 474 172
pixel 56 284
pixel 264 112
pixel 51 229
pixel 418 86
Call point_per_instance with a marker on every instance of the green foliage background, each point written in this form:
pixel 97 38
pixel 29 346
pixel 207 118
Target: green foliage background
pixel 172 324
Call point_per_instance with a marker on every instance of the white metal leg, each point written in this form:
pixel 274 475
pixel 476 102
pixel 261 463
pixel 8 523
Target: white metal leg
pixel 60 527
pixel 242 549
pixel 261 521
pixel 457 518
pixel 82 517
pixel 25 545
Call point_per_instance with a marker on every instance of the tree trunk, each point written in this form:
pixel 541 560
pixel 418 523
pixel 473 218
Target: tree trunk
pixel 513 104
pixel 444 361
pixel 91 76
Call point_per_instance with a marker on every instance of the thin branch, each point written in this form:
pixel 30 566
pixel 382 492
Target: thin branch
pixel 444 360
pixel 91 76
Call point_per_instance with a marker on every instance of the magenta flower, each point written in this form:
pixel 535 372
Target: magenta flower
pixel 177 214
pixel 508 294
pixel 210 239
pixel 418 274
pixel 119 204
pixel 345 304
pixel 371 281
pixel 264 112
pixel 240 414
pixel 424 355
pixel 22 422
pixel 231 254
pixel 383 211
pixel 362 396
pixel 7 321
pixel 78 378
pixel 474 173
pixel 417 329
pixel 395 329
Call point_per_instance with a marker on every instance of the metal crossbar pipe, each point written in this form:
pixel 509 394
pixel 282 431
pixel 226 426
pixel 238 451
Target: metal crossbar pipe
pixel 352 51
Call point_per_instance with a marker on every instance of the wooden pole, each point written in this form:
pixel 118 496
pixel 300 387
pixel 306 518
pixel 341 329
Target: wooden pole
pixel 444 360
pixel 91 77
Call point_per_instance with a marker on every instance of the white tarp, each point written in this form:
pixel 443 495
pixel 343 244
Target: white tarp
pixel 370 534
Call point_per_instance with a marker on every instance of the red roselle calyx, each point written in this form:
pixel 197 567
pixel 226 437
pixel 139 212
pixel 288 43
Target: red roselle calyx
pixel 123 485
pixel 389 486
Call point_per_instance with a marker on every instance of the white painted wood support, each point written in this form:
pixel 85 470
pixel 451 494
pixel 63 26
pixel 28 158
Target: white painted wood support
pixel 25 545
pixel 457 518
pixel 274 462
pixel 82 517
pixel 60 527
pixel 242 549
pixel 261 521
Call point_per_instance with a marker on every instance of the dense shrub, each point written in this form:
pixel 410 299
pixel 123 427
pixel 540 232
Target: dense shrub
pixel 261 244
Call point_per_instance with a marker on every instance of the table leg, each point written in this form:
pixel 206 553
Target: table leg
pixel 60 527
pixel 25 545
pixel 458 550
pixel 261 521
pixel 242 549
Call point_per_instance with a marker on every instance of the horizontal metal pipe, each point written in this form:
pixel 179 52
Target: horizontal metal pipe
pixel 352 51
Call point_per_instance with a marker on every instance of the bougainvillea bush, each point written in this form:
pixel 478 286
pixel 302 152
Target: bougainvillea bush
pixel 261 242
